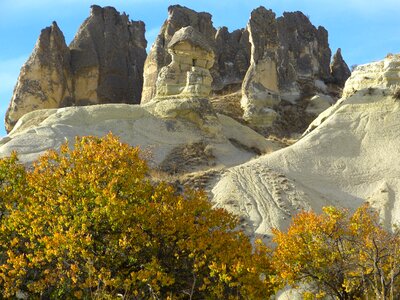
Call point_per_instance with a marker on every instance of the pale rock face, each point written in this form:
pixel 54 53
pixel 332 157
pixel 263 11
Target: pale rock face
pixel 188 73
pixel 319 103
pixel 184 85
pixel 260 91
pixel 378 75
pixel 45 79
pixel 41 130
pixel 159 56
pixel 344 159
pixel 232 50
pixel 103 64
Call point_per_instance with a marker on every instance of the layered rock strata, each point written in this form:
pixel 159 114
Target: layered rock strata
pixel 103 64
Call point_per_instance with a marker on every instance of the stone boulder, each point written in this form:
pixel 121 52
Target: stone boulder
pixel 103 64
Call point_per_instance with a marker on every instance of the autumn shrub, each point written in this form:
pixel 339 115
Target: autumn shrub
pixel 89 223
pixel 341 255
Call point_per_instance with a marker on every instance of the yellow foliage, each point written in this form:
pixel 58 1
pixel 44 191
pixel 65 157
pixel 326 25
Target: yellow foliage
pixel 89 223
pixel 342 255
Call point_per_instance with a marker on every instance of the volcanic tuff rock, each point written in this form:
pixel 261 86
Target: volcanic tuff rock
pixel 184 85
pixel 348 156
pixel 339 69
pixel 45 80
pixel 103 64
pixel 107 57
pixel 304 57
pixel 260 89
pixel 232 50
pixel 294 68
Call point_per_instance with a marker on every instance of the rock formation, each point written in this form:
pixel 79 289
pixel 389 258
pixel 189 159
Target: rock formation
pixel 260 89
pixel 284 58
pixel 188 73
pixel 339 69
pixel 45 80
pixel 107 57
pixel 273 59
pixel 184 85
pixel 103 64
pixel 304 57
pixel 232 50
pixel 345 158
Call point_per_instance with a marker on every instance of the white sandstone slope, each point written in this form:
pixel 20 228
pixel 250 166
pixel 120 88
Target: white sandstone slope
pixel 349 155
pixel 41 130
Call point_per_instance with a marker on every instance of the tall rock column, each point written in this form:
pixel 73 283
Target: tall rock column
pixel 260 88
pixel 339 69
pixel 178 17
pixel 45 79
pixel 107 56
pixel 232 50
pixel 103 64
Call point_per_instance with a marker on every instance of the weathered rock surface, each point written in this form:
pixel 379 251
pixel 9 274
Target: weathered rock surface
pixel 318 104
pixel 339 69
pixel 45 80
pixel 103 64
pixel 184 85
pixel 346 158
pixel 284 58
pixel 107 58
pixel 41 130
pixel 260 89
pixel 188 73
pixel 232 50
pixel 304 57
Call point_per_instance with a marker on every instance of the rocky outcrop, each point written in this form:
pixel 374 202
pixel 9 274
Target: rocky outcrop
pixel 339 69
pixel 107 58
pixel 41 130
pixel 304 57
pixel 184 85
pixel 231 49
pixel 103 64
pixel 232 59
pixel 188 73
pixel 284 58
pixel 260 89
pixel 45 80
pixel 346 158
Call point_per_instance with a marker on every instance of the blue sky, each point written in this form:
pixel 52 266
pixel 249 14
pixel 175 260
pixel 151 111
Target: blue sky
pixel 366 30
